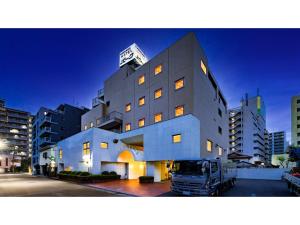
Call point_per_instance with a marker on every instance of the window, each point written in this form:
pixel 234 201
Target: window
pixel 0 163
pixel 98 121
pixel 157 117
pixel 298 134
pixel 85 127
pixel 298 126
pixel 298 117
pixel 209 145
pixel 6 161
pixel 203 67
pixel 158 93
pixel 220 130
pixel 298 142
pixel 141 79
pixel 128 127
pixel 220 150
pixel 298 101
pixel 179 110
pixel 220 113
pixel 214 167
pixel 60 153
pixel 142 122
pixel 142 101
pixel 92 124
pixel 128 107
pixel 86 149
pixel 298 109
pixel 179 84
pixel 158 69
pixel 176 138
pixel 104 145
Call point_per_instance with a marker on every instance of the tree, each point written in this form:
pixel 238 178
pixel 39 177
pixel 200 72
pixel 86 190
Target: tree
pixel 281 160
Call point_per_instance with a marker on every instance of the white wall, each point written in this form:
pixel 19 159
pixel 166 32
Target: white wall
pixel 260 173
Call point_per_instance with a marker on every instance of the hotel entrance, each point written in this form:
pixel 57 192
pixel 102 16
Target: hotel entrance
pixel 133 169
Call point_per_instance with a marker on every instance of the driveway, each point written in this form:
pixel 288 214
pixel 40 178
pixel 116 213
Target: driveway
pixel 23 185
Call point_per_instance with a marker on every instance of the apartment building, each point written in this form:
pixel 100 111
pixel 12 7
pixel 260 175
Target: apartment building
pixel 247 125
pixel 15 137
pixel 51 126
pixel 268 150
pixel 150 113
pixel 296 120
pixel 278 143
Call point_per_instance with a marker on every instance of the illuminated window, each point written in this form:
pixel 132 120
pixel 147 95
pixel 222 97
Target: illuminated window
pixel 220 150
pixel 86 149
pixel 98 121
pixel 179 110
pixel 158 93
pixel 142 122
pixel 142 101
pixel 92 124
pixel 141 79
pixel 128 107
pixel 158 117
pixel 203 67
pixel 176 138
pixel 209 145
pixel 60 153
pixel 158 69
pixel 128 127
pixel 104 145
pixel 85 127
pixel 179 84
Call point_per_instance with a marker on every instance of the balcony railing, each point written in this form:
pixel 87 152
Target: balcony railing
pixel 111 120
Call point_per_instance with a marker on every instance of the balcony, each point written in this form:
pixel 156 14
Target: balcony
pixel 112 120
pixel 46 120
pixel 46 131
pixel 46 141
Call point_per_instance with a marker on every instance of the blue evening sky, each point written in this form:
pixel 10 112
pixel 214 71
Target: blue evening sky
pixel 46 67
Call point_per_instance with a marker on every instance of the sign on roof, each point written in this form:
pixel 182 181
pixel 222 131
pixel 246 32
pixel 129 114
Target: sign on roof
pixel 134 55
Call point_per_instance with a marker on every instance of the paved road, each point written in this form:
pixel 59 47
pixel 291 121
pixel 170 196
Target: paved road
pixel 255 188
pixel 23 185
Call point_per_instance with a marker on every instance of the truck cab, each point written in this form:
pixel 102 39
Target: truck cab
pixel 200 177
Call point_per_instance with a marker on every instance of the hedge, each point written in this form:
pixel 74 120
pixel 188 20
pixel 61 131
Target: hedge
pixel 85 177
pixel 146 179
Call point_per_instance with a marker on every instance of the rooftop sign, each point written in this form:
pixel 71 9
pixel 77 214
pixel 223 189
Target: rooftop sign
pixel 133 55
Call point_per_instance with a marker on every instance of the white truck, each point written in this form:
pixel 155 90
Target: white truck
pixel 206 177
pixel 293 183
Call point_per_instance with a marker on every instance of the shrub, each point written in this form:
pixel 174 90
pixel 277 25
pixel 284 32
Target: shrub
pixel 75 173
pixel 146 179
pixel 84 174
pixel 113 173
pixel 105 173
pixel 64 172
pixel 101 178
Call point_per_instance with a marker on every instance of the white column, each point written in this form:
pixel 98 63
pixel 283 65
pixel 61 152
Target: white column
pixel 154 169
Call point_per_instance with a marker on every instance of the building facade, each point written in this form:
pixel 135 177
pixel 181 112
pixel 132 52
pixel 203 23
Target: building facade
pixel 247 125
pixel 296 121
pixel 51 126
pixel 15 137
pixel 150 113
pixel 278 143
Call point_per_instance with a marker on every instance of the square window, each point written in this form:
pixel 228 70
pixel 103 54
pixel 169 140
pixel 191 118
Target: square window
pixel 220 150
pixel 203 67
pixel 128 107
pixel 298 126
pixel 158 69
pixel 128 127
pixel 298 117
pixel 141 79
pixel 158 117
pixel 209 145
pixel 298 109
pixel 179 110
pixel 179 84
pixel 176 138
pixel 220 130
pixel 158 93
pixel 298 101
pixel 141 122
pixel 104 145
pixel 141 101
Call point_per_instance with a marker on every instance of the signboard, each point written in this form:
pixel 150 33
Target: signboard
pixel 133 55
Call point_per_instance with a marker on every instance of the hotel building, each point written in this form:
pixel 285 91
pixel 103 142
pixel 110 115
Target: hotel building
pixel 150 113
pixel 278 143
pixel 247 125
pixel 15 137
pixel 51 126
pixel 296 120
